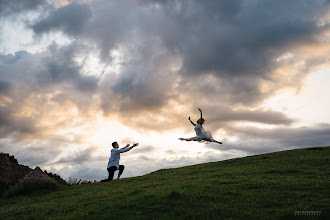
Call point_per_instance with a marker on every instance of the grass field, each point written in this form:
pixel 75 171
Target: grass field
pixel 291 184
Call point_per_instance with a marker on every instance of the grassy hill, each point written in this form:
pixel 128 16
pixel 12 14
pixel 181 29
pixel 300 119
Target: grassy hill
pixel 291 184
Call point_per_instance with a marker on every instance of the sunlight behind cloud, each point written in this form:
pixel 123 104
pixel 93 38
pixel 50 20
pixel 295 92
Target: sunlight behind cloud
pixel 285 56
pixel 165 144
pixel 311 105
pixel 254 124
pixel 93 66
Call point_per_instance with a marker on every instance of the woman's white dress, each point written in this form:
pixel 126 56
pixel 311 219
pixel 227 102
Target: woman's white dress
pixel 201 134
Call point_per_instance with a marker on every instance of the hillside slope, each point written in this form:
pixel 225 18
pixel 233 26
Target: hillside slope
pixel 285 184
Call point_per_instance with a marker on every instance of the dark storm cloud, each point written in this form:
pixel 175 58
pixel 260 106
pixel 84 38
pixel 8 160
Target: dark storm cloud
pixel 267 117
pixel 237 42
pixel 229 38
pixel 144 83
pixel 4 86
pixel 60 67
pixel 10 59
pixel 113 23
pixel 55 65
pixel 227 49
pixel 32 152
pixel 27 78
pixel 9 125
pixel 256 140
pixel 70 19
pixel 10 7
pixel 302 134
pixel 79 157
pixel 136 91
pixel 215 114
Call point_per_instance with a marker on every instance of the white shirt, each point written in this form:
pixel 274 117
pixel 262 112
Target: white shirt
pixel 199 130
pixel 201 134
pixel 115 156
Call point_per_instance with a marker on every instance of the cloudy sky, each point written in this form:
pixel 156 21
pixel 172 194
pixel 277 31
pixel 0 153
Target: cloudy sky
pixel 76 75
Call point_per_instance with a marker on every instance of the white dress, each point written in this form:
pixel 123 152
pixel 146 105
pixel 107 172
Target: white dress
pixel 201 134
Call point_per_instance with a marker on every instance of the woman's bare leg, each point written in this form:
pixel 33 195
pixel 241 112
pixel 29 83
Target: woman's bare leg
pixel 185 139
pixel 212 140
pixel 217 141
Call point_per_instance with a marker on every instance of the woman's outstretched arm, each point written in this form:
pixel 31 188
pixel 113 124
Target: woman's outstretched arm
pixel 191 121
pixel 201 113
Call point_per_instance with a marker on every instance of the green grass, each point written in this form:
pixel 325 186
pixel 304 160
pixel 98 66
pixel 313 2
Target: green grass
pixel 268 186
pixel 28 187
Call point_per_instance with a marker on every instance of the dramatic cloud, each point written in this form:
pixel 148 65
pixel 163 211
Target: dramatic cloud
pixel 300 136
pixel 35 85
pixel 10 7
pixel 239 43
pixel 70 19
pixel 79 157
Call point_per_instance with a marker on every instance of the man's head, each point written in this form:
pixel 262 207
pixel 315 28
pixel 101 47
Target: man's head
pixel 115 144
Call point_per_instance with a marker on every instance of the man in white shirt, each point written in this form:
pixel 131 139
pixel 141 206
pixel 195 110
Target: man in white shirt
pixel 113 163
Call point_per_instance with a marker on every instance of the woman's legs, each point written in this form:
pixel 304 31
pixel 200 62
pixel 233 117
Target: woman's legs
pixel 186 139
pixel 206 139
pixel 212 140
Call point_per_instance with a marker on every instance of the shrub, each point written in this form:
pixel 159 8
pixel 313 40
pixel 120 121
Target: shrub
pixel 75 181
pixel 28 187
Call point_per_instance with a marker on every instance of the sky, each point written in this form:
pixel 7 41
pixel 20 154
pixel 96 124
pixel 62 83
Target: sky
pixel 77 75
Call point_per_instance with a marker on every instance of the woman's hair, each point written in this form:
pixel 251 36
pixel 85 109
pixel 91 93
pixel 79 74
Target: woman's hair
pixel 114 144
pixel 201 122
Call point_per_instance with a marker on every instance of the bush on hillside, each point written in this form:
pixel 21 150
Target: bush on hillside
pixel 28 187
pixel 75 181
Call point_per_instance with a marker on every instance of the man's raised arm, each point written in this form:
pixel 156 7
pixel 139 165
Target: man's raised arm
pixel 127 148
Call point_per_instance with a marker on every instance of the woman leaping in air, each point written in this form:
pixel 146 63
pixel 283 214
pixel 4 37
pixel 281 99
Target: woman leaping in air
pixel 201 134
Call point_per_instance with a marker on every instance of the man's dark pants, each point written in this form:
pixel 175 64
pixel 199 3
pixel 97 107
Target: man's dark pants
pixel 112 170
